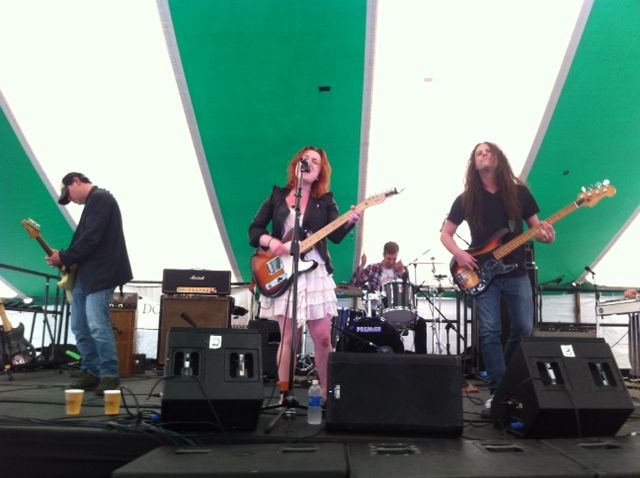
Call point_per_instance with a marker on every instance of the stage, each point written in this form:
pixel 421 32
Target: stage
pixel 39 440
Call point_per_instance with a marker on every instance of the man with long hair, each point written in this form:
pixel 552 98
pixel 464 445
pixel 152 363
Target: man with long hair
pixel 494 199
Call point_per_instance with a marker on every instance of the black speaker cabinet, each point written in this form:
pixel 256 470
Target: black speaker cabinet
pixel 562 387
pixel 270 332
pixel 395 393
pixel 124 330
pixel 203 310
pixel 213 377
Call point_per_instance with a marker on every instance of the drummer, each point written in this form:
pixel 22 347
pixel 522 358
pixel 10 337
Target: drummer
pixel 377 274
pixel 390 269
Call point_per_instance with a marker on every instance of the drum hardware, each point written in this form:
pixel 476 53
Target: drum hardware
pixel 439 319
pixel 415 263
pixel 371 303
pixel 305 364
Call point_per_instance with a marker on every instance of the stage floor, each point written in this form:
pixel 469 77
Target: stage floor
pixel 39 440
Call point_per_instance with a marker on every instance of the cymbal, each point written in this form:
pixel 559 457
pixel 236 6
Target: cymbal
pixel 431 263
pixel 348 290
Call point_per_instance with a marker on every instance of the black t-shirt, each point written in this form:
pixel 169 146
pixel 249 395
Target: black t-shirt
pixel 494 218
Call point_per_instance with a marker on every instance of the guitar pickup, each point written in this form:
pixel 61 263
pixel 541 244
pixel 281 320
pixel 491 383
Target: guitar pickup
pixel 274 265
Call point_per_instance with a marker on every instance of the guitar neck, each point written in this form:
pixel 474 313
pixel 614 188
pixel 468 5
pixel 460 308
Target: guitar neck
pixel 317 236
pixel 6 324
pixel 506 249
pixel 44 245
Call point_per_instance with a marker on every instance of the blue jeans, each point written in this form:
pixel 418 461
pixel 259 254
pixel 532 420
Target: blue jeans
pixel 91 325
pixel 518 295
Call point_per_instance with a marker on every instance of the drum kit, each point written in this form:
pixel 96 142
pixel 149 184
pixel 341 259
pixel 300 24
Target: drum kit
pixel 385 316
pixel 376 327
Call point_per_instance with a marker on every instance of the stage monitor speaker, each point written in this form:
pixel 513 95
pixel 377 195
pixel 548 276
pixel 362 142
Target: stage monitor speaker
pixel 562 387
pixel 213 377
pixel 205 312
pixel 395 393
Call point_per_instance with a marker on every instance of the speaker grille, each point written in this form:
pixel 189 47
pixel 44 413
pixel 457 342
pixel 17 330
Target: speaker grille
pixel 205 311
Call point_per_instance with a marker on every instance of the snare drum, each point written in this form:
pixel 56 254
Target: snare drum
pixel 360 334
pixel 399 308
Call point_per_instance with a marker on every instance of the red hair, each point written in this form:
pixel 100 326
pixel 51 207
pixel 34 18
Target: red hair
pixel 322 185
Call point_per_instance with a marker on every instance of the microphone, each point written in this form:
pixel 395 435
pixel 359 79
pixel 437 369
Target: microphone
pixel 588 269
pixel 304 165
pixel 184 316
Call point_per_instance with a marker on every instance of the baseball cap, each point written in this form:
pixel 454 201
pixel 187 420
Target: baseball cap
pixel 66 182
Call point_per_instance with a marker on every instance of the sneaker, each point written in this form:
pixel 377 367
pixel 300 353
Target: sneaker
pixel 107 383
pixel 486 411
pixel 487 404
pixel 85 381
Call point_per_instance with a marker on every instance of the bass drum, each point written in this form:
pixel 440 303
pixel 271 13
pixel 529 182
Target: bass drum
pixel 370 335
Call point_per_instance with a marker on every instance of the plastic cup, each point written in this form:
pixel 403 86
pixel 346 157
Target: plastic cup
pixel 112 399
pixel 73 398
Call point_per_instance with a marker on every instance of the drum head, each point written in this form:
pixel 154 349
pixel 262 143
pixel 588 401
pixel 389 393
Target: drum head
pixel 370 335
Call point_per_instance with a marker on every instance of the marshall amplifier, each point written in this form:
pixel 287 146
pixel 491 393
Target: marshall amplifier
pixel 196 281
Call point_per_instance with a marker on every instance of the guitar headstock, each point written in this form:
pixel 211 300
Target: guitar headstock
pixel 592 196
pixel 32 227
pixel 379 198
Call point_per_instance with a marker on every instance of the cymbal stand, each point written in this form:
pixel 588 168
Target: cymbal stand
pixel 435 325
pixel 414 263
pixel 442 319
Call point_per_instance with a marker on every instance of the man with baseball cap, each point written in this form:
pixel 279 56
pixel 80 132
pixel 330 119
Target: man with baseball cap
pixel 99 252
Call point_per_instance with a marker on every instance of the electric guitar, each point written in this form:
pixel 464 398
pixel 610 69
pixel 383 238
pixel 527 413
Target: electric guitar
pixel 272 273
pixel 490 254
pixel 18 349
pixel 67 276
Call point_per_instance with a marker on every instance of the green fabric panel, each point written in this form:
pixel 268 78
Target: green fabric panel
pixel 593 135
pixel 24 195
pixel 254 68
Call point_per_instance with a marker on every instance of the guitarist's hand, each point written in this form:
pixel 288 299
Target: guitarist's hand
pixel 546 233
pixel 54 259
pixel 279 248
pixel 355 215
pixel 464 259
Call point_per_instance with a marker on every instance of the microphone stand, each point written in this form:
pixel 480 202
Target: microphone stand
pixel 289 401
pixel 597 297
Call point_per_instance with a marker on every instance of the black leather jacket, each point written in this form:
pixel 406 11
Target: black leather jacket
pixel 319 213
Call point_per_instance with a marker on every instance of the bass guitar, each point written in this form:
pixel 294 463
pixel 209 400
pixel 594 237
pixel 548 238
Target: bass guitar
pixel 67 275
pixel 490 254
pixel 18 349
pixel 272 273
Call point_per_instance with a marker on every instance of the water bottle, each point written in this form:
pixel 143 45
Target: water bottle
pixel 314 409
